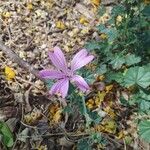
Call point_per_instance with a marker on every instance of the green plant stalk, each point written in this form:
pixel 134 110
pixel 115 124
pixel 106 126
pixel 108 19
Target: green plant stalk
pixel 87 117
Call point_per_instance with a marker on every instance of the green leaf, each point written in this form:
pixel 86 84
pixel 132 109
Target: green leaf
pixel 118 77
pixel 137 76
pixel 144 96
pixel 6 134
pixel 68 109
pixel 142 99
pixel 84 144
pixel 98 138
pixel 87 75
pixel 101 27
pixel 146 11
pixel 128 139
pixel 112 34
pixel 102 69
pixel 118 10
pixel 93 45
pixel 117 62
pixel 95 117
pixel 132 59
pixel 145 106
pixel 102 10
pixel 144 130
pixel 90 78
pixel 71 89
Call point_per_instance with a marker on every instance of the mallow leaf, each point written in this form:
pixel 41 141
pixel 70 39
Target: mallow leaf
pixel 145 106
pixel 144 130
pixel 146 10
pixel 144 96
pixel 132 59
pixel 119 9
pixel 117 62
pixel 137 76
pixel 112 34
pixel 92 45
pixel 102 69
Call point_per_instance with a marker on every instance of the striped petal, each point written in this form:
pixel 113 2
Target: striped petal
pixel 81 54
pixel 80 83
pixel 81 59
pixel 58 59
pixel 51 74
pixel 60 87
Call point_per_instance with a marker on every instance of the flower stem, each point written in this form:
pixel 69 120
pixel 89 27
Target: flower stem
pixel 87 117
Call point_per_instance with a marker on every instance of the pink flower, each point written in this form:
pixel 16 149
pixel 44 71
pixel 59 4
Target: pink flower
pixel 65 74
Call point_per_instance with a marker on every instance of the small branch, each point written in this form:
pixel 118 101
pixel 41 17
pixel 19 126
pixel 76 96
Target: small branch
pixel 15 58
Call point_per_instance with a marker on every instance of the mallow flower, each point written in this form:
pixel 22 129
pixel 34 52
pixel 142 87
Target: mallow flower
pixel 65 73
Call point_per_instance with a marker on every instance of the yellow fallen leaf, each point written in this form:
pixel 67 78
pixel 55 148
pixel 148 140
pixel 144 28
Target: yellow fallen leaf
pixel 57 116
pixel 29 6
pixel 96 101
pixel 84 31
pixel 6 14
pixel 110 112
pixel 55 113
pixel 91 66
pixel 101 77
pixel 90 103
pixel 42 147
pixel 96 2
pixel 60 25
pixel 83 20
pixel 9 73
pixel 100 98
pixel 103 36
pixel 28 119
pixel 90 106
pixel 98 128
pixel 110 126
pixel 120 135
pixel 109 88
pixel 32 117
pixel 101 95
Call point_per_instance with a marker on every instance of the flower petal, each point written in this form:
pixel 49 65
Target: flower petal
pixel 51 74
pixel 55 87
pixel 60 87
pixel 58 59
pixel 64 88
pixel 80 83
pixel 82 62
pixel 81 54
pixel 81 59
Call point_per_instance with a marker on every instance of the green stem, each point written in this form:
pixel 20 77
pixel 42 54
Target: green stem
pixel 87 117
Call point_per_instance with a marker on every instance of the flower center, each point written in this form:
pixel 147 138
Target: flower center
pixel 69 73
